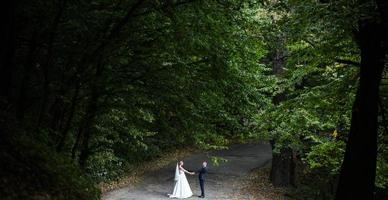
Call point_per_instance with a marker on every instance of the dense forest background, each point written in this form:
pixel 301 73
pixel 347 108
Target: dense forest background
pixel 91 88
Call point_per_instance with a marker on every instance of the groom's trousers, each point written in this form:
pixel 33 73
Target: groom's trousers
pixel 202 185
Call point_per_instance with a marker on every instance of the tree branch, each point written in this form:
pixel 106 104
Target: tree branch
pixel 348 62
pixel 162 7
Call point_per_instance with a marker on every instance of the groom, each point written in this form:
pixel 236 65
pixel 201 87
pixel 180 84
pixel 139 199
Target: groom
pixel 201 175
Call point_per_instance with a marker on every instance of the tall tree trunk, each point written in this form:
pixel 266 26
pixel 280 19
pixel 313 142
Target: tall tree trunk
pixel 48 62
pixel 283 163
pixel 84 132
pixel 87 127
pixel 357 177
pixel 7 38
pixel 283 168
pixel 28 67
pixel 66 129
pixel 74 149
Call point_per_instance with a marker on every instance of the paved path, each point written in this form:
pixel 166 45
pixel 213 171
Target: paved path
pixel 222 181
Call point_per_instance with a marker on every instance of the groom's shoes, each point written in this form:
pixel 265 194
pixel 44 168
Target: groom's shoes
pixel 201 196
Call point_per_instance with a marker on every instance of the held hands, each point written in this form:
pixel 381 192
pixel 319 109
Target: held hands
pixel 192 173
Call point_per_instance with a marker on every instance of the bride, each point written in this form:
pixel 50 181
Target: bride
pixel 182 188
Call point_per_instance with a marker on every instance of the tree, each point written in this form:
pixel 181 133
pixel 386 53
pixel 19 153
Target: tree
pixel 357 178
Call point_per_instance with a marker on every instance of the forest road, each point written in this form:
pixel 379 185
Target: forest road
pixel 222 182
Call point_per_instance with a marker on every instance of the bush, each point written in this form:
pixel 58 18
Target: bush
pixel 30 170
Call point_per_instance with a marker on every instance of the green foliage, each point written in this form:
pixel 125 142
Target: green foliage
pixel 217 160
pixel 30 170
pixel 111 84
pixel 194 83
pixel 315 85
pixel 382 173
pixel 326 156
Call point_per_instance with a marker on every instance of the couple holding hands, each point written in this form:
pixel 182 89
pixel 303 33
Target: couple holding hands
pixel 182 188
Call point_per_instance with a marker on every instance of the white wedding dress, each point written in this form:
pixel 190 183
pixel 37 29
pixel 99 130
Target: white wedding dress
pixel 182 188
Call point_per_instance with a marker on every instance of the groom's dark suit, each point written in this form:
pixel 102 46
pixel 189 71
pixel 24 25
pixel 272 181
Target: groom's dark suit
pixel 201 175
